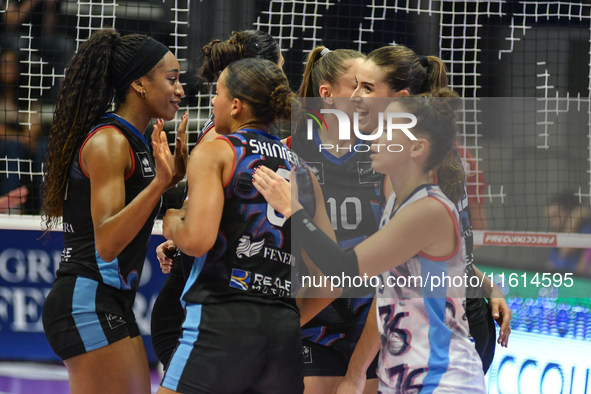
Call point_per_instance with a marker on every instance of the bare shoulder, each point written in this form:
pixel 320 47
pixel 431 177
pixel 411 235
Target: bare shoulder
pixel 107 146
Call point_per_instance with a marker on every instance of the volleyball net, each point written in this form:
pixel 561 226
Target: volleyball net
pixel 526 59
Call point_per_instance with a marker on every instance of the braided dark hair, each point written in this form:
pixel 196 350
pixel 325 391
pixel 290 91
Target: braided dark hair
pixel 86 92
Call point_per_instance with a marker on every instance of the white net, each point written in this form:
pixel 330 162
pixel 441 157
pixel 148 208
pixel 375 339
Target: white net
pixel 491 48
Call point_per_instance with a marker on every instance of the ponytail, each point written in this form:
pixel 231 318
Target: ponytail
pixel 404 69
pixel 309 87
pixel 436 75
pixel 325 66
pixel 451 177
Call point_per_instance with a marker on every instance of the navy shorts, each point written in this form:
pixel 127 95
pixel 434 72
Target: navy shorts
pixel 168 315
pixel 81 314
pixel 238 347
pixel 320 360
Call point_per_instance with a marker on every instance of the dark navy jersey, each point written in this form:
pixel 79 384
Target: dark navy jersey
pixel 251 259
pixel 476 307
pixel 80 257
pixel 354 200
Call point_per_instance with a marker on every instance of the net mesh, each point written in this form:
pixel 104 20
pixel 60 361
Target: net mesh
pixel 491 48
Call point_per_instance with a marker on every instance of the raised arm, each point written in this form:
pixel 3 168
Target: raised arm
pixel 210 166
pixel 106 160
pixel 426 225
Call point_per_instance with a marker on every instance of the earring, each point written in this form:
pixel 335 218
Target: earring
pixel 143 94
pixel 328 100
pixel 412 155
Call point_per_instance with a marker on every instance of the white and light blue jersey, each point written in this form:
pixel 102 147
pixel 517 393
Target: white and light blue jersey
pixel 425 342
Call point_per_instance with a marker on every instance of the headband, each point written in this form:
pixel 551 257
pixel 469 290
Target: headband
pixel 145 58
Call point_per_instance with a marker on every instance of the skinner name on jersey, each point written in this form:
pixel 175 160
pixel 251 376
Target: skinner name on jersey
pixel 272 150
pixel 247 248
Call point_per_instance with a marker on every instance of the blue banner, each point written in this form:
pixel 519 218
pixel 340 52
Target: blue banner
pixel 28 263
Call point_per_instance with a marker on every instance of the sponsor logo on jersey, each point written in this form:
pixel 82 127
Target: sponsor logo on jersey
pixel 318 170
pixel 269 285
pixel 247 248
pixel 114 320
pixel 366 173
pixel 239 279
pixel 279 256
pixel 245 280
pixel 147 170
pixel 307 353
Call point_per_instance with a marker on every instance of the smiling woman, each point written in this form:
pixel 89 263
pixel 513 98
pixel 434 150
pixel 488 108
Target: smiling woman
pixel 425 344
pixel 104 180
pixel 393 71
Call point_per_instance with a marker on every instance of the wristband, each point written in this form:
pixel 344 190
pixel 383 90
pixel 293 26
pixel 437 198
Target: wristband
pixel 326 254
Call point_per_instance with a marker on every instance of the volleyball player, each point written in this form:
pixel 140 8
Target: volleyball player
pixel 241 332
pixel 398 69
pixel 107 184
pixel 168 313
pixel 331 329
pixel 426 343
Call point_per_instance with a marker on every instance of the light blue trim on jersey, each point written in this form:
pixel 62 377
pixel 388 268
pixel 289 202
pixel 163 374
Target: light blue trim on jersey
pixel 189 336
pixel 84 314
pixel 190 331
pixel 329 156
pixel 109 271
pixel 198 264
pixel 439 334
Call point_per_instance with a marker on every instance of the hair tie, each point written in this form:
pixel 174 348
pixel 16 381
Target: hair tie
pixel 424 61
pixel 324 52
pixel 116 40
pixel 258 55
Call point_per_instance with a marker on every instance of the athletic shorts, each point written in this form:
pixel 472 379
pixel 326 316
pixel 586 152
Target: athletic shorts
pixel 81 314
pixel 168 315
pixel 321 360
pixel 484 335
pixel 238 347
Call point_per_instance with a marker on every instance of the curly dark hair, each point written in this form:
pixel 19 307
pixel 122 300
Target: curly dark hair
pixel 263 85
pixel 241 44
pixel 86 92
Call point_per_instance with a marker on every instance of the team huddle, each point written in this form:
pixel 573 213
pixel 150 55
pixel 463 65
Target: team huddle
pixel 260 213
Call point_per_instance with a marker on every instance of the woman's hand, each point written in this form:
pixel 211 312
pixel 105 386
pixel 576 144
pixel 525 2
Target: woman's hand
pixel 171 220
pixel 164 253
pixel 181 153
pixel 276 190
pixel 502 314
pixel 165 163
